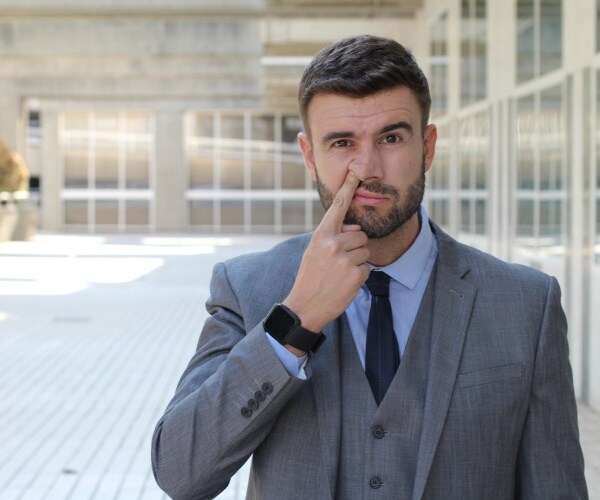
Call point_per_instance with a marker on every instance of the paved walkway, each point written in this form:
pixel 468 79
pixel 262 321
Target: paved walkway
pixel 94 334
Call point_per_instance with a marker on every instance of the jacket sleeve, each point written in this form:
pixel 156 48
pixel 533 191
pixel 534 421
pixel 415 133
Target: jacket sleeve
pixel 225 404
pixel 550 462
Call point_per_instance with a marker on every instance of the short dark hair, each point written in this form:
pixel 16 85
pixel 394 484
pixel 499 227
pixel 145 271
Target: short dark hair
pixel 361 66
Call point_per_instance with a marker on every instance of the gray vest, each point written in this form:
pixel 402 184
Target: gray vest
pixel 379 445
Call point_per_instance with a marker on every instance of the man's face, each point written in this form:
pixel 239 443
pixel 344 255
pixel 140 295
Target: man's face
pixel 379 138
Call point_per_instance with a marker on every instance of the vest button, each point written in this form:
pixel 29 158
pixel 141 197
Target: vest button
pixel 378 432
pixel 375 482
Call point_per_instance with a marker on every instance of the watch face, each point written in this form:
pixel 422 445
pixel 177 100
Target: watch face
pixel 279 322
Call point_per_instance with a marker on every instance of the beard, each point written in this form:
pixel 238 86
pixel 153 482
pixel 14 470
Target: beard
pixel 373 224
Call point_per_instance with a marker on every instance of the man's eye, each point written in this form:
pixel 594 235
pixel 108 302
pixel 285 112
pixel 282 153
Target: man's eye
pixel 342 143
pixel 392 139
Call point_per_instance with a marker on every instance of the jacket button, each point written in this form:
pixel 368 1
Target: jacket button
pixel 375 483
pixel 253 404
pixel 246 412
pixel 267 387
pixel 378 432
pixel 259 396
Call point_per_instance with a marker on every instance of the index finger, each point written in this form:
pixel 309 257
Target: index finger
pixel 334 216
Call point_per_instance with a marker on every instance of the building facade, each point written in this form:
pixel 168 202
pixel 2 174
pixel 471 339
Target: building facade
pixel 180 115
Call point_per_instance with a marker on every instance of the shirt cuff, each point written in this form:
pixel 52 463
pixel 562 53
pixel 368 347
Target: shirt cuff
pixel 292 363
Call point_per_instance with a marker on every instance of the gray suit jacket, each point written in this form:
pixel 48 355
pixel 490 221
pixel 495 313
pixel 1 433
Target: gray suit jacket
pixel 499 422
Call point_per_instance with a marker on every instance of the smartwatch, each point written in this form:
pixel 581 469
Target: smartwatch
pixel 284 326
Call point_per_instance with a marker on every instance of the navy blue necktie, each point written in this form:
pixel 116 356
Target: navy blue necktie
pixel 382 356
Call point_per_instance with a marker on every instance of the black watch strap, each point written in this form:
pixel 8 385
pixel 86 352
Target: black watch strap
pixel 304 339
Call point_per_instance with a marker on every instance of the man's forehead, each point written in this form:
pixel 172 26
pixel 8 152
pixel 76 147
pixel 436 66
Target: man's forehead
pixel 328 111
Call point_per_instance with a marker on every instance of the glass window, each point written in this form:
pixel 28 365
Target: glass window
pixel 539 37
pixel 201 213
pixel 473 62
pixel 232 215
pixel 551 134
pixel 525 40
pixel 263 216
pixel 474 154
pixel 137 213
pixel 107 169
pixel 200 143
pixel 232 152
pixel 526 142
pixel 597 25
pixel 292 214
pixel 76 168
pixel 439 173
pixel 541 146
pixel 525 218
pixel 438 61
pixel 76 212
pixel 242 151
pixel 438 182
pixel 550 35
pixel 439 211
pixel 107 212
pixel 596 184
pixel 263 153
pixel 293 172
pixel 137 174
pixel 317 212
pixel 106 150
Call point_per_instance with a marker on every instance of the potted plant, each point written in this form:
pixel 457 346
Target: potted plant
pixel 15 216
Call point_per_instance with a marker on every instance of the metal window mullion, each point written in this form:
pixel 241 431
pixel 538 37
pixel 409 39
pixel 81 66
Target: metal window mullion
pixel 537 33
pixel 217 170
pixel 473 53
pixel 536 167
pixel 278 120
pixel 91 172
pixel 152 170
pixel 122 185
pixel 247 120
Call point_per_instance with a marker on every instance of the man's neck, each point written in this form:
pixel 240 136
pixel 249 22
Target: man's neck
pixel 386 250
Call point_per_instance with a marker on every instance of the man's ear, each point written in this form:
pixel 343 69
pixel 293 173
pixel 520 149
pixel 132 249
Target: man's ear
pixel 308 155
pixel 429 140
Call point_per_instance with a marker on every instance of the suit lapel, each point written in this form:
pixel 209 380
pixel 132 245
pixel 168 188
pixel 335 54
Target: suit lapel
pixel 453 302
pixel 327 396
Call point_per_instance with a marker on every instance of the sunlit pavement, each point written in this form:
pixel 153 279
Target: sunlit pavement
pixel 94 334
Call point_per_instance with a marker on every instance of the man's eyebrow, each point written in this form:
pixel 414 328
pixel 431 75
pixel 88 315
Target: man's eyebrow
pixel 332 136
pixel 394 126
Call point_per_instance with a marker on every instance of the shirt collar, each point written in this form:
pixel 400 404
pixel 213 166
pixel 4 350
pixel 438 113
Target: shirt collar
pixel 410 266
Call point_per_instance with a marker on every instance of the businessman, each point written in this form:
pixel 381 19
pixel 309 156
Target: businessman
pixel 375 358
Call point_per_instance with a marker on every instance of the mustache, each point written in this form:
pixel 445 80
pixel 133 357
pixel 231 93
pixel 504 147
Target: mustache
pixel 377 187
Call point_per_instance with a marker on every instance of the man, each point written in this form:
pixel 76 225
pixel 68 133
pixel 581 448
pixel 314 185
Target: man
pixel 377 357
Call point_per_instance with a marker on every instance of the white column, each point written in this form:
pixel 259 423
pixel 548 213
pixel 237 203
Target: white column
pixel 169 188
pixel 51 170
pixel 579 50
pixel 11 122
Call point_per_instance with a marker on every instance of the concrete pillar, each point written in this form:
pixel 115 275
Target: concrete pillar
pixel 51 171
pixel 579 48
pixel 169 186
pixel 501 58
pixel 11 122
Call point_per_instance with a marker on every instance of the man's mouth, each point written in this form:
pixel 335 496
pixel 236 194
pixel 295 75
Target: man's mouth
pixel 363 197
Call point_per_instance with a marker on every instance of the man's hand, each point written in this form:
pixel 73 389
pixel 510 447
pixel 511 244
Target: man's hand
pixel 333 267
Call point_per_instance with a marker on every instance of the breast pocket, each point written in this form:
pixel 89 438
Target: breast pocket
pixel 491 375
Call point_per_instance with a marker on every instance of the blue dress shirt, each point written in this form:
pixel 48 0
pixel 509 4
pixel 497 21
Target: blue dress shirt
pixel 409 277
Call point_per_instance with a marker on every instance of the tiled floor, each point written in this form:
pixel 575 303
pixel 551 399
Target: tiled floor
pixel 94 334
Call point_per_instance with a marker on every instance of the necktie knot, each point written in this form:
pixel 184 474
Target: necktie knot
pixel 378 283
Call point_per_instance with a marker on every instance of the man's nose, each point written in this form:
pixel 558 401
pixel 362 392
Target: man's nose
pixel 367 163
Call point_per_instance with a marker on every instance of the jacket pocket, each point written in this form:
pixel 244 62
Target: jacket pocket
pixel 490 375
